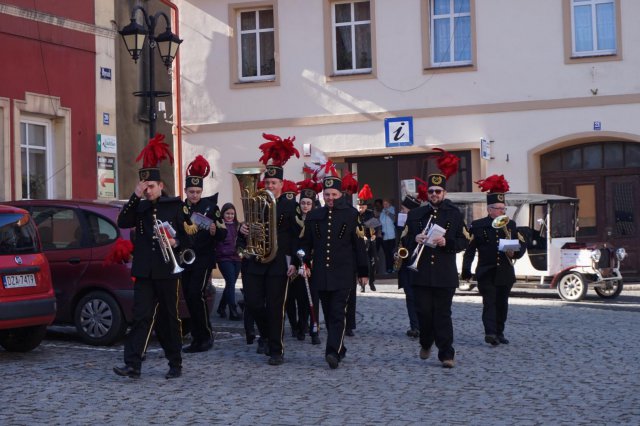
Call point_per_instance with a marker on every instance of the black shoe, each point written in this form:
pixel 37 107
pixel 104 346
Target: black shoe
pixel 315 339
pixel 332 360
pixel 413 333
pixel 222 310
pixel 174 372
pixel 233 314
pixel 503 340
pixel 492 340
pixel 250 339
pixel 349 332
pixel 362 288
pixel 263 347
pixel 127 371
pixel 276 360
pixel 372 286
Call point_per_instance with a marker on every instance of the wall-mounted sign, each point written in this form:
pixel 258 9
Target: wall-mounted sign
pixel 105 118
pixel 106 143
pixel 105 73
pixel 597 125
pixel 106 177
pixel 398 131
pixel 485 149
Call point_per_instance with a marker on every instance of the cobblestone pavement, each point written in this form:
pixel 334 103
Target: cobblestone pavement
pixel 566 364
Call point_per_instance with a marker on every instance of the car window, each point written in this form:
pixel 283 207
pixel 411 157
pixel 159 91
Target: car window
pixel 59 227
pixel 101 230
pixel 17 234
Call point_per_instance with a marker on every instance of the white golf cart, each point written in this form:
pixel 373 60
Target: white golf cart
pixel 554 259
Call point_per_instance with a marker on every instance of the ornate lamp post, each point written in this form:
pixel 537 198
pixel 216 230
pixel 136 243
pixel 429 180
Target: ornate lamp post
pixel 167 43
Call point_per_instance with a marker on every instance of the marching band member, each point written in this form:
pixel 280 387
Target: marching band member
pixel 349 187
pixel 206 236
pixel 435 277
pixel 154 265
pixel 404 273
pixel 333 241
pixel 366 215
pixel 494 270
pixel 265 284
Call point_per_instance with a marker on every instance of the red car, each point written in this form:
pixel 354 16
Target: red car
pixel 76 238
pixel 27 302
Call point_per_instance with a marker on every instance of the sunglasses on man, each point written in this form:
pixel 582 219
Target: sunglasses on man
pixel 435 191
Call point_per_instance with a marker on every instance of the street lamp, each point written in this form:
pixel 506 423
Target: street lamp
pixel 134 36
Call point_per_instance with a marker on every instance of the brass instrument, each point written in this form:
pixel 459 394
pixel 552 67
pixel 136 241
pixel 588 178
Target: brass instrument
pixel 187 257
pixel 501 222
pixel 160 235
pixel 260 216
pixel 399 256
pixel 417 252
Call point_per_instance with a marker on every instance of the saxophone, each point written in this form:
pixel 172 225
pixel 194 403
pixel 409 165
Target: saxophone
pixel 260 216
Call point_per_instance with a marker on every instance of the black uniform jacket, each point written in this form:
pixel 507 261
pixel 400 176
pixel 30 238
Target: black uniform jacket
pixel 437 265
pixel 288 231
pixel 147 257
pixel 493 265
pixel 202 242
pixel 333 242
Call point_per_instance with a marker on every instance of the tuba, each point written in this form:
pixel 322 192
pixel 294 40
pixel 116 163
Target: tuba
pixel 260 216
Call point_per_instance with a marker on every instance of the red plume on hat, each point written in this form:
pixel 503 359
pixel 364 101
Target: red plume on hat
pixel 120 252
pixel 277 150
pixel 154 152
pixel 493 183
pixel 349 183
pixel 422 190
pixel 365 193
pixel 261 184
pixel 289 186
pixel 447 163
pixel 310 184
pixel 199 167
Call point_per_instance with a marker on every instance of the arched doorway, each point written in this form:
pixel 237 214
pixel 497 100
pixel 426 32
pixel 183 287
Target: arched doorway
pixel 605 176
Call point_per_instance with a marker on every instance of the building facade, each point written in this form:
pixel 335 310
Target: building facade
pixel 551 87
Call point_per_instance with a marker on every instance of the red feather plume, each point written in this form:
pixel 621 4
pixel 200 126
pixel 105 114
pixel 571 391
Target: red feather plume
pixel 422 190
pixel 349 183
pixel 365 193
pixel 289 186
pixel 493 183
pixel 310 184
pixel 154 152
pixel 120 252
pixel 260 184
pixel 447 163
pixel 199 167
pixel 277 150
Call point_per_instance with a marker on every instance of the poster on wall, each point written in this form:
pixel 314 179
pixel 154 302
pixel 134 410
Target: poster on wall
pixel 106 177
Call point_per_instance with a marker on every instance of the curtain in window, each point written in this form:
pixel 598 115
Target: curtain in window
pixel 605 26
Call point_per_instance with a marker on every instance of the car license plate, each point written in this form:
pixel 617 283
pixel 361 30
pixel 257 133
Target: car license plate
pixel 15 281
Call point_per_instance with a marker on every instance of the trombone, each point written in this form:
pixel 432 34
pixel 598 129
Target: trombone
pixel 160 234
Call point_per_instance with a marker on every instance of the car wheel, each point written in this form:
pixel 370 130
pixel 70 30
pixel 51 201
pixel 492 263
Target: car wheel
pixel 572 287
pixel 98 319
pixel 612 289
pixel 22 339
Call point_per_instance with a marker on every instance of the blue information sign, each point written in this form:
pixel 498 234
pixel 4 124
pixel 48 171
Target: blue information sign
pixel 398 131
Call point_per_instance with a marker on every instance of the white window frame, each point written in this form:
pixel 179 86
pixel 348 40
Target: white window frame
pixel 47 150
pixel 256 32
pixel 452 15
pixel 594 28
pixel 352 24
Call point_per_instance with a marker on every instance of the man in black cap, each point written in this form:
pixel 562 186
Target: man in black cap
pixel 404 274
pixel 494 270
pixel 439 232
pixel 207 230
pixel 156 274
pixel 265 284
pixel 333 244
pixel 370 222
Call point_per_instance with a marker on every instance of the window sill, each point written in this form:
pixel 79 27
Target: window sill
pixel 605 57
pixel 450 68
pixel 255 83
pixel 354 76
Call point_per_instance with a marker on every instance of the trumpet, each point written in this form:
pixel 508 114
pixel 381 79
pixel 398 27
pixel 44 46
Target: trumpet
pixel 399 256
pixel 417 252
pixel 160 234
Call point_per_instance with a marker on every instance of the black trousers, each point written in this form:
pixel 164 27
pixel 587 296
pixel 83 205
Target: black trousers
pixel 194 287
pixel 404 281
pixel 334 307
pixel 495 306
pixel 298 304
pixel 351 307
pixel 433 306
pixel 265 297
pixel 149 296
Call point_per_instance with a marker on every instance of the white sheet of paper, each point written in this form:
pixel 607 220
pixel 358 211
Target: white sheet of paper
pixel 434 232
pixel 504 245
pixel 402 219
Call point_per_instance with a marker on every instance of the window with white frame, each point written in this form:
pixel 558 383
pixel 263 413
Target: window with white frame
pixel 450 29
pixel 34 147
pixel 593 27
pixel 256 45
pixel 351 36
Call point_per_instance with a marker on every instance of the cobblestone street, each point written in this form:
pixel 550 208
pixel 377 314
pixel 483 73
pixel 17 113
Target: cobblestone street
pixel 566 364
